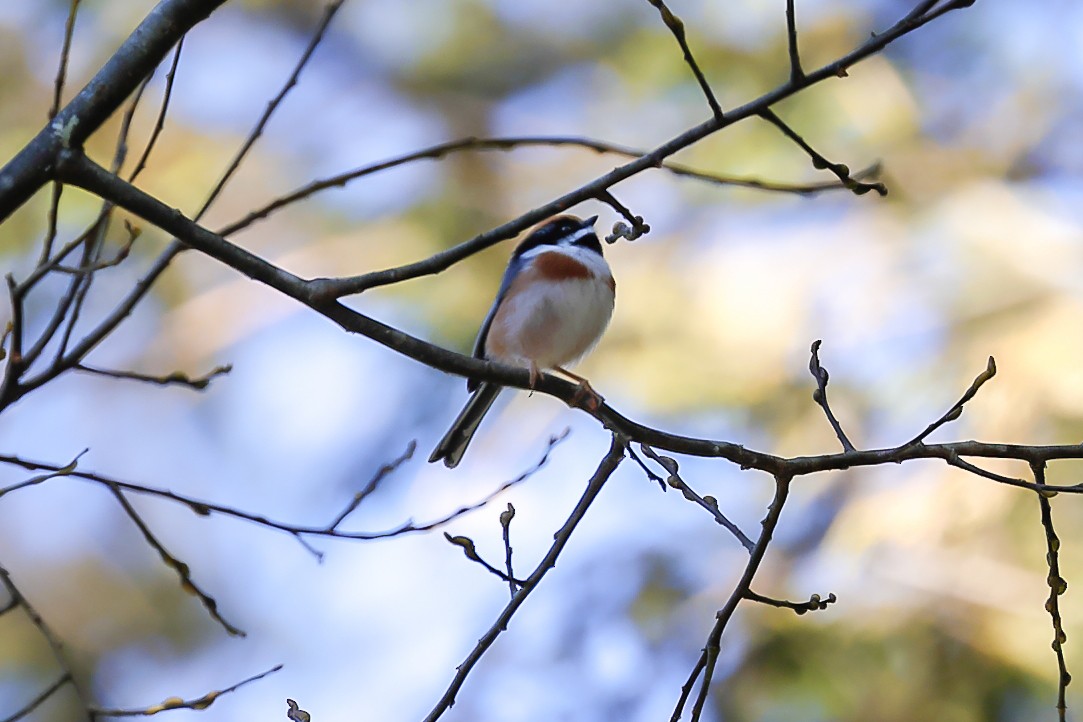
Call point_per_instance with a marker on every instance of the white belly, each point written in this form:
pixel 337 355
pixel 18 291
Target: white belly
pixel 551 323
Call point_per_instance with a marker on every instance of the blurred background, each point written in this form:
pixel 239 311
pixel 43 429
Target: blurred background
pixel 977 251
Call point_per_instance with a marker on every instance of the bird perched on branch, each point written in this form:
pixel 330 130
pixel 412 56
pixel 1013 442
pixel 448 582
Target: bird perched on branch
pixel 552 307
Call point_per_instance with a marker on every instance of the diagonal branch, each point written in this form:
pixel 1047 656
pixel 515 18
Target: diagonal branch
pixel 55 645
pixel 163 109
pixel 39 699
pixel 183 572
pixel 676 26
pixel 470 552
pixel 605 469
pixel 709 657
pixel 707 502
pixel 137 56
pixel 508 143
pixel 382 473
pixel 257 130
pixel 200 703
pixel 957 410
pixel 841 170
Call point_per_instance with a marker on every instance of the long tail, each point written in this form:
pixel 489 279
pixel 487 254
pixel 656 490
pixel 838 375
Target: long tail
pixel 452 447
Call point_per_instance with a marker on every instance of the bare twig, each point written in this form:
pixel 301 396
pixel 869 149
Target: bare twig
pixel 181 569
pixel 177 378
pixel 707 502
pixel 505 526
pixel 199 703
pixel 330 530
pixel 676 26
pixel 441 150
pixel 317 37
pixel 637 229
pixel 122 253
pixel 708 658
pixel 957 410
pixel 796 73
pixel 820 395
pixel 58 90
pixel 605 469
pixel 39 699
pixel 373 483
pixel 1057 587
pixel 35 480
pixel 650 473
pixel 65 53
pixel 470 552
pixel 55 645
pixel 95 242
pixel 13 333
pixel 841 170
pixel 159 123
pixel 814 604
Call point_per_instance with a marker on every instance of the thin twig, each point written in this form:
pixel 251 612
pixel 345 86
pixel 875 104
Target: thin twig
pixel 35 480
pixel 841 170
pixel 637 229
pixel 183 572
pixel 1057 587
pixel 440 150
pixel 957 410
pixel 37 701
pixel 814 604
pixel 65 54
pixel 317 37
pixel 708 658
pixel 707 502
pixel 505 526
pixel 382 473
pixel 55 645
pixel 470 551
pixel 92 249
pixel 13 333
pixel 177 378
pixel 205 508
pixel 200 703
pixel 58 91
pixel 676 26
pixel 119 257
pixel 648 471
pixel 163 109
pixel 820 395
pixel 605 469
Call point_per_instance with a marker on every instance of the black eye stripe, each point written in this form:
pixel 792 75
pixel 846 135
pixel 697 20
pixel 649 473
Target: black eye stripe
pixel 557 232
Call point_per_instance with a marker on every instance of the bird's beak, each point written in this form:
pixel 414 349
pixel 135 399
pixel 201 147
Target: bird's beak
pixel 590 221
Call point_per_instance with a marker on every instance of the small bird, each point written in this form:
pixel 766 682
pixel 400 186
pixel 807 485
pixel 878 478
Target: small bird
pixel 552 307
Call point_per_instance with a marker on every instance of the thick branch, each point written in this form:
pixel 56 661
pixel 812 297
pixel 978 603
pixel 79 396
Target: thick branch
pixel 119 77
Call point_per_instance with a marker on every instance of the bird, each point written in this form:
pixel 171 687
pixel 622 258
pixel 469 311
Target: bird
pixel 553 305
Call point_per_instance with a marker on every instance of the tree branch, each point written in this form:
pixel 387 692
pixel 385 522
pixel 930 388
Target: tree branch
pixel 136 58
pixel 605 469
pixel 676 26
